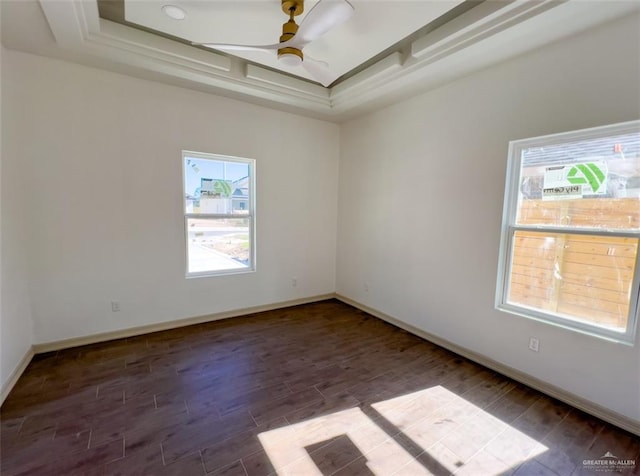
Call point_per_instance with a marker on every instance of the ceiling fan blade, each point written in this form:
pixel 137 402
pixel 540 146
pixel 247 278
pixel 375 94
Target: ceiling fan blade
pixel 314 60
pixel 228 47
pixel 325 15
pixel 319 70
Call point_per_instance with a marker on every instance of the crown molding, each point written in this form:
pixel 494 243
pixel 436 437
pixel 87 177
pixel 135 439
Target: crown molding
pixel 496 29
pixel 427 60
pixel 76 26
pixel 480 23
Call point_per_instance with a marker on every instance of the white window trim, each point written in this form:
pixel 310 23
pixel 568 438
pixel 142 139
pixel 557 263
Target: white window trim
pixel 252 215
pixel 509 227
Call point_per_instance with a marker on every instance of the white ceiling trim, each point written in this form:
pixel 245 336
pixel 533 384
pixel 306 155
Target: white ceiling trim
pixel 480 23
pixel 77 26
pixel 489 33
pixel 441 55
pixel 137 48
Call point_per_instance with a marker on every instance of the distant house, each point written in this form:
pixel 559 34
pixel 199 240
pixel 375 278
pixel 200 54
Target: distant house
pixel 240 195
pixel 218 196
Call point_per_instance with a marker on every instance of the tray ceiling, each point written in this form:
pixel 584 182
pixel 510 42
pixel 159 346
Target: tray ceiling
pixel 374 27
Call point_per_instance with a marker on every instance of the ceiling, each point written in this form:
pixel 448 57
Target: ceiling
pixel 388 50
pixel 374 27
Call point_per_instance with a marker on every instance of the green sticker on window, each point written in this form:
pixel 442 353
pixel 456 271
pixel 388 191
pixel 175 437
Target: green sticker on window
pixel 574 181
pixel 588 173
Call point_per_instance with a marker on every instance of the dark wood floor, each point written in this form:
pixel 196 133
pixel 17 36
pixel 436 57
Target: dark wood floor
pixel 315 389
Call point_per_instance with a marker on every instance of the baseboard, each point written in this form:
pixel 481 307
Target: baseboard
pixel 16 374
pixel 167 325
pixel 594 409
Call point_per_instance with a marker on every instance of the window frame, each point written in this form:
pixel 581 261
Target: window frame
pixel 510 227
pixel 251 215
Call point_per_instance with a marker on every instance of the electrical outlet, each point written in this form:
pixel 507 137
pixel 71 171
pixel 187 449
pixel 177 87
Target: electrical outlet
pixel 534 344
pixel 115 306
pixel 294 282
pixel 366 287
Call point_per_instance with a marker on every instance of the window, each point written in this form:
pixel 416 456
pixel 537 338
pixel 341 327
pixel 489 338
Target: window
pixel 219 214
pixel 571 231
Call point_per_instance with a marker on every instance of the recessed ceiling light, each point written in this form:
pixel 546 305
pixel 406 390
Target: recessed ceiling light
pixel 175 12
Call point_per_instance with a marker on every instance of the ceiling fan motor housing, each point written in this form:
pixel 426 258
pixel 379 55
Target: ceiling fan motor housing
pixel 289 29
pixel 292 7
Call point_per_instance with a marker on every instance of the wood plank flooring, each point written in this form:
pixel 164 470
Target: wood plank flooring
pixel 315 389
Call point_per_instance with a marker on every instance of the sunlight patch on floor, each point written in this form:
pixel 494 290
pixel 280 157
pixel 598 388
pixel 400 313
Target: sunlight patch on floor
pixel 460 436
pixel 452 434
pixel 286 447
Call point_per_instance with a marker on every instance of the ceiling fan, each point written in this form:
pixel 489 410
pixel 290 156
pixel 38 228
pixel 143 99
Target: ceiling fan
pixel 324 16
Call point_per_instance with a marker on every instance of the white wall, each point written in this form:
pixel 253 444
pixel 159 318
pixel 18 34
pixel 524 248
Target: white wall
pixel 100 192
pixel 15 313
pixel 421 193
